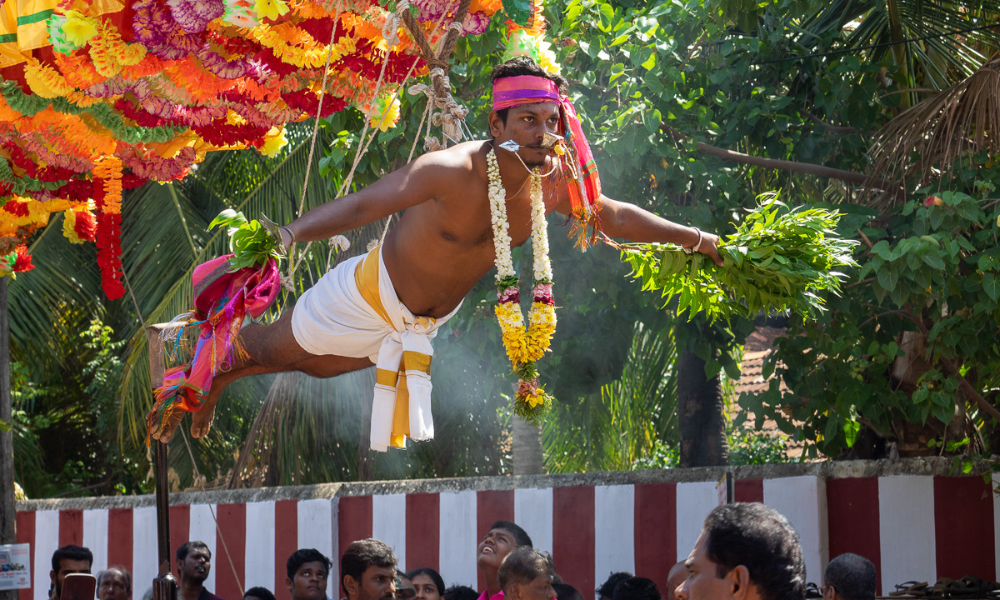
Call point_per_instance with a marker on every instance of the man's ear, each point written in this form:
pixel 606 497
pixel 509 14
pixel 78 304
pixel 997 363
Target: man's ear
pixel 351 586
pixel 742 587
pixel 513 592
pixel 493 119
pixel 52 577
pixel 289 584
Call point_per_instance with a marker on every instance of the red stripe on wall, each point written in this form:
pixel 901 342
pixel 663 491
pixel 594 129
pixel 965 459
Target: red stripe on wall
pixel 573 536
pixel 853 520
pixel 120 537
pixel 749 490
pixel 70 527
pixel 655 530
pixel 354 522
pixel 180 532
pixel 492 506
pixel 963 527
pixel 25 524
pixel 423 531
pixel 232 535
pixel 286 542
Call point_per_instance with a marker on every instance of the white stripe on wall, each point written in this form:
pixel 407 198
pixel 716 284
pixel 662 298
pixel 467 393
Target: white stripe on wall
pixel 201 527
pixel 144 549
pixel 46 542
pixel 259 551
pixel 315 522
pixel 458 539
pixel 389 523
pixel 533 513
pixel 614 530
pixel 95 537
pixel 802 500
pixel 906 529
pixel 694 501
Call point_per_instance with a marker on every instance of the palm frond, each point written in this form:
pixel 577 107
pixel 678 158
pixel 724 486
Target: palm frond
pixel 925 141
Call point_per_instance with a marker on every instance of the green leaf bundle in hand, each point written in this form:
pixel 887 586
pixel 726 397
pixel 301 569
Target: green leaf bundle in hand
pixel 779 259
pixel 249 241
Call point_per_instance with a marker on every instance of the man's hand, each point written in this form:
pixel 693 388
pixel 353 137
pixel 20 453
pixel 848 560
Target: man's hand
pixel 710 247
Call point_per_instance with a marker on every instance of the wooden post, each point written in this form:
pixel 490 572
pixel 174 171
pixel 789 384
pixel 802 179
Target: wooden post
pixel 7 509
pixel 164 585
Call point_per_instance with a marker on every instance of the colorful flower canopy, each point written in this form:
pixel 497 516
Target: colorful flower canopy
pixel 98 96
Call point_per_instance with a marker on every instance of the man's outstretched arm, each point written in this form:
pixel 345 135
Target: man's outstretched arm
pixel 628 221
pixel 413 184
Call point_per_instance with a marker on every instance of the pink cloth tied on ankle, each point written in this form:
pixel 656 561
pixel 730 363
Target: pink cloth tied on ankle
pixel 222 299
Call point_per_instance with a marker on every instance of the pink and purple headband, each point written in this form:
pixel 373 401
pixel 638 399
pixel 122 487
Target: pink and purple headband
pixel 524 89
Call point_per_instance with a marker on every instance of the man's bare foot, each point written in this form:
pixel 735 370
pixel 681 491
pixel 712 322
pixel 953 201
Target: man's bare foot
pixel 164 430
pixel 201 421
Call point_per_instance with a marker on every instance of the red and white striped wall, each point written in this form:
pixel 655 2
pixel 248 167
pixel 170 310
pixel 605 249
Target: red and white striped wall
pixel 913 527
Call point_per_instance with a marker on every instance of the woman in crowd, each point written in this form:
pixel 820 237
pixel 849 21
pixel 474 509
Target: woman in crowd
pixel 428 584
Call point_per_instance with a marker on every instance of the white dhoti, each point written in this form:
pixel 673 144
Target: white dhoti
pixel 353 311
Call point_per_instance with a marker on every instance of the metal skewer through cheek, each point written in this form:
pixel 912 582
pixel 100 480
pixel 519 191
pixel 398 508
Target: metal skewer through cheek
pixel 549 141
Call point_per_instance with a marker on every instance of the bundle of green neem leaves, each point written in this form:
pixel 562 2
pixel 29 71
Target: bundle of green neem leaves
pixel 249 241
pixel 779 259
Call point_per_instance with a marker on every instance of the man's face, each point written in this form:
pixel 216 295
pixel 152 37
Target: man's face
pixel 309 582
pixel 196 565
pixel 703 582
pixel 67 566
pixel 377 583
pixel 404 588
pixel 497 544
pixel 113 587
pixel 678 575
pixel 539 589
pixel 527 124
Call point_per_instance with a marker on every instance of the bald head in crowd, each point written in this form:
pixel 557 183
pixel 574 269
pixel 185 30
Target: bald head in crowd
pixel 849 577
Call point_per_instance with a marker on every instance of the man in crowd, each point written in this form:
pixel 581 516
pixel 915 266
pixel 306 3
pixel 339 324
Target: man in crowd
pixel 114 583
pixel 66 560
pixel 194 563
pixel 526 574
pixel 636 588
pixel 502 538
pixel 675 578
pixel 308 570
pixel 849 577
pixel 608 587
pixel 745 552
pixel 258 593
pixel 368 571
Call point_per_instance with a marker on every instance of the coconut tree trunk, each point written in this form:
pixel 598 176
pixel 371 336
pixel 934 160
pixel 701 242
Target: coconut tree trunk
pixel 527 448
pixel 700 416
pixel 7 515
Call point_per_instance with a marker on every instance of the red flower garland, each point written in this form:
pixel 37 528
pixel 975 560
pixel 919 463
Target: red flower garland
pixel 109 248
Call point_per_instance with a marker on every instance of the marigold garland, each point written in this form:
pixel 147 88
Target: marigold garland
pixel 525 346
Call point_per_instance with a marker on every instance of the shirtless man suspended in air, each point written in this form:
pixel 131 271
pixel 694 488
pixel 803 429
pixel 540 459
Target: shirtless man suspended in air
pixel 441 247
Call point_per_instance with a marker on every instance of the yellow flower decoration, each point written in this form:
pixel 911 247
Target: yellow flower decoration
pixel 273 142
pixel 270 9
pixel 385 115
pixel 79 29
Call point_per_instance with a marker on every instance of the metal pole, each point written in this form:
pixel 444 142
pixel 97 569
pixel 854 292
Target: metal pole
pixel 164 585
pixel 7 507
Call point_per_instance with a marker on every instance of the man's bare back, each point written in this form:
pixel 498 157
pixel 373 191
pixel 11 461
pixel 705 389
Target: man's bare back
pixel 443 244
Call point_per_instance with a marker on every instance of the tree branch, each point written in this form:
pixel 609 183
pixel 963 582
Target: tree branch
pixel 786 165
pixel 953 370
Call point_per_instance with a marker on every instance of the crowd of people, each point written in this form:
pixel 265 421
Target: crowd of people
pixel 746 551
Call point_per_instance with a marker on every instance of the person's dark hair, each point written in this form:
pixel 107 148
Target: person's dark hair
pixel 186 547
pixel 259 592
pixel 460 592
pixel 522 65
pixel 434 575
pixel 565 591
pixel 608 587
pixel 523 565
pixel 362 554
pixel 125 575
pixel 852 576
pixel 636 588
pixel 762 540
pixel 520 535
pixel 71 552
pixel 303 556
